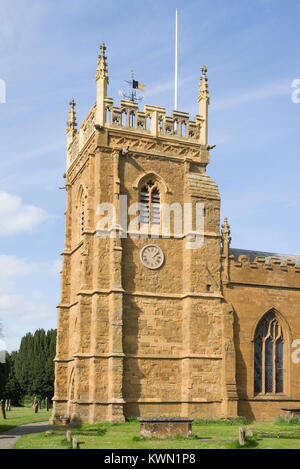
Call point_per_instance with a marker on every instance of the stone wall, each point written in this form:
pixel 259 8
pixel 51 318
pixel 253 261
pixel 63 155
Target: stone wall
pixel 255 288
pixel 131 340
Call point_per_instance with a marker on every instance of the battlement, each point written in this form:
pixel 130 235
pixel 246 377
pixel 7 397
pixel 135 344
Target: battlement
pixel 151 122
pixel 264 268
pixel 127 117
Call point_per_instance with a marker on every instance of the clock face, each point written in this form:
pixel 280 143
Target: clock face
pixel 152 256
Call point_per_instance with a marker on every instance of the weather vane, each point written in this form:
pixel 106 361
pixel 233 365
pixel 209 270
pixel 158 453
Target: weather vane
pixel 133 86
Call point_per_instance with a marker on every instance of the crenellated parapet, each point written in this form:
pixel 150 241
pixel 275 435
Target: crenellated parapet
pixel 152 120
pixel 150 123
pixel 150 128
pixel 264 269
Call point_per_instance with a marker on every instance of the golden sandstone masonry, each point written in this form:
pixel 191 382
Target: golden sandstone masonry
pixel 148 326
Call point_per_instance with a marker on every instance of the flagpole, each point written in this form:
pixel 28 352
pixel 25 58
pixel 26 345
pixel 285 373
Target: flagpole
pixel 176 60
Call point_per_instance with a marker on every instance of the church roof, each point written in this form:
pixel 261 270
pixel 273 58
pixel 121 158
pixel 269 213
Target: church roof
pixel 267 255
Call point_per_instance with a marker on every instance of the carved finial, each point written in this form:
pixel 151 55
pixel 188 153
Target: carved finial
pixel 102 64
pixel 226 232
pixel 71 123
pixel 203 86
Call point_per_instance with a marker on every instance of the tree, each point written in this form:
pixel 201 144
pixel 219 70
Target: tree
pixel 23 363
pixel 12 390
pixel 34 365
pixel 4 372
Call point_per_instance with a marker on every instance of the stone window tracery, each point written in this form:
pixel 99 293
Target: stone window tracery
pixel 268 356
pixel 150 204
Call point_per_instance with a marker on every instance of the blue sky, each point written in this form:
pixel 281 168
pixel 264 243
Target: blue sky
pixel 48 53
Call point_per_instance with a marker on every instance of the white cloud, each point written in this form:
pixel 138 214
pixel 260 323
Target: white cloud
pixel 12 267
pixel 21 312
pixel 16 217
pixel 17 307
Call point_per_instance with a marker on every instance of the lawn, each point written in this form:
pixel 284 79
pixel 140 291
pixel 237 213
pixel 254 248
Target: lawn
pixel 206 435
pixel 22 415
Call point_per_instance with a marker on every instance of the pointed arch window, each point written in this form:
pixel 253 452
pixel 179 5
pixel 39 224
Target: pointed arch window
pixel 150 204
pixel 268 356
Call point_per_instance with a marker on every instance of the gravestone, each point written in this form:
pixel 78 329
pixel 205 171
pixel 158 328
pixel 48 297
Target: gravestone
pixel 163 427
pixel 74 443
pixel 242 434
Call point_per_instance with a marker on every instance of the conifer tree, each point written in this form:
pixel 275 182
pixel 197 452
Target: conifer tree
pixel 34 365
pixel 4 372
pixel 13 390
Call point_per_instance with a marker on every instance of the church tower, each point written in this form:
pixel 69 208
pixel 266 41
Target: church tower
pixel 143 327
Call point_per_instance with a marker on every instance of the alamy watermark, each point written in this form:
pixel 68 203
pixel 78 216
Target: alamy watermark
pixel 296 352
pixel 181 221
pixel 2 92
pixel 296 92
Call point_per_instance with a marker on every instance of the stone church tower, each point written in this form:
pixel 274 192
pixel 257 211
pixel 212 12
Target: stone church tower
pixel 144 327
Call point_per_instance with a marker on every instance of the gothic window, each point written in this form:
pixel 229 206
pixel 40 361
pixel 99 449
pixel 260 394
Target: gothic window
pixel 150 204
pixel 268 356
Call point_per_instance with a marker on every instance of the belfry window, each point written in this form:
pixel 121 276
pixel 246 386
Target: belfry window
pixel 268 356
pixel 150 204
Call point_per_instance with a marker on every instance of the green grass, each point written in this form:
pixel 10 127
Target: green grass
pixel 22 415
pixel 208 435
pixel 238 421
pixel 292 421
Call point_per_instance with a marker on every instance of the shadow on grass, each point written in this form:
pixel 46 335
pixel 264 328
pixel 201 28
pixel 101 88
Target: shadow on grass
pixel 250 442
pixel 5 428
pixel 69 445
pixel 64 442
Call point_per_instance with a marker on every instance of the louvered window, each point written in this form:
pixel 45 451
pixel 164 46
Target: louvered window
pixel 150 204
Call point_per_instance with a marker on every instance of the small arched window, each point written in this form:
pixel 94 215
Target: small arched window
pixel 268 356
pixel 150 204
